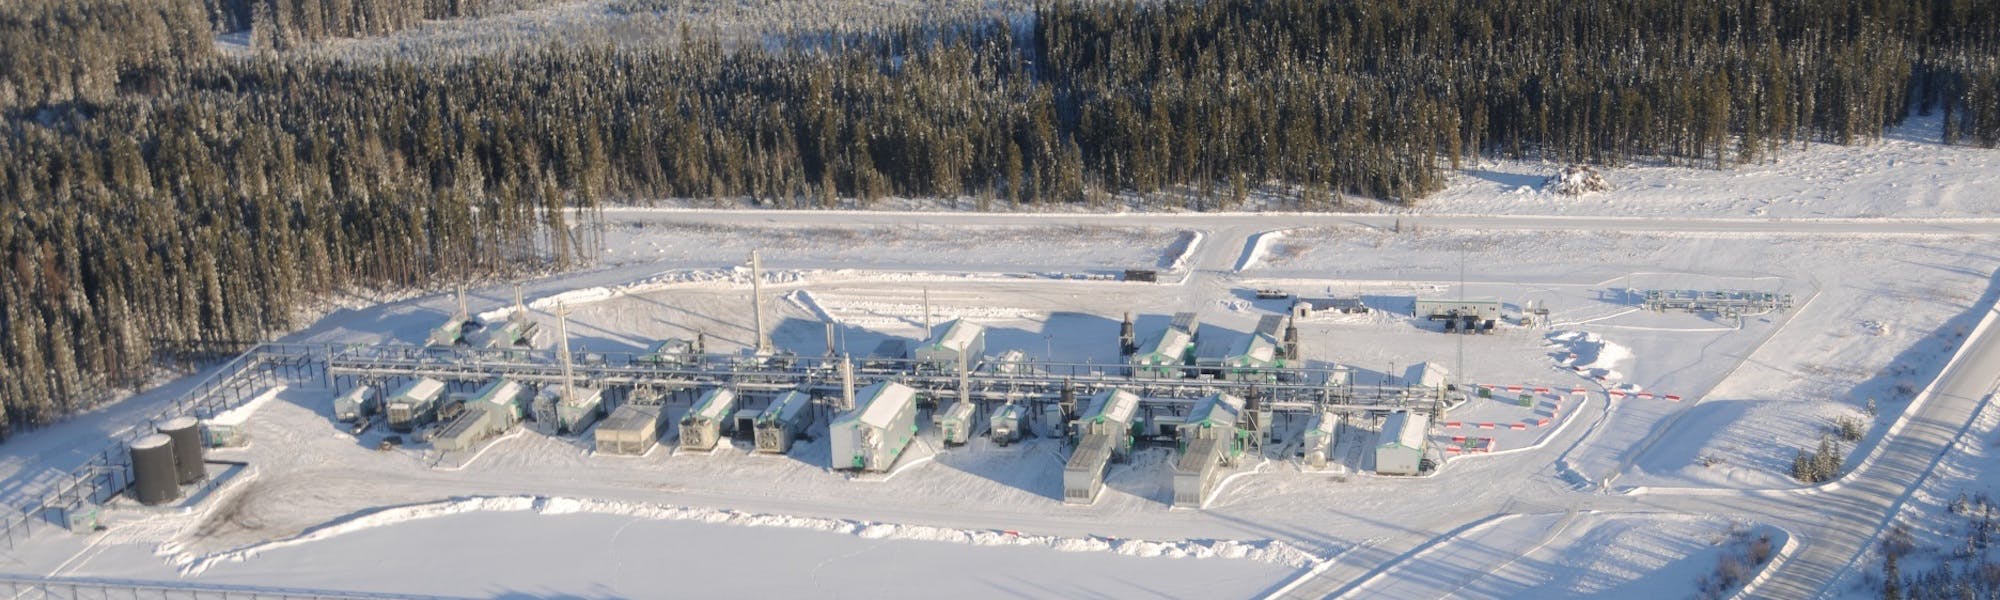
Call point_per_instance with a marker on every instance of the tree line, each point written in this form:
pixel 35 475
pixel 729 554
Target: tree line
pixel 158 190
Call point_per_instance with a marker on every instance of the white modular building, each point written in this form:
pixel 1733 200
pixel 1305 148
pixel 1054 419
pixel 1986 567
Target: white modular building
pixel 1166 354
pixel 873 435
pixel 957 339
pixel 1004 425
pixel 954 423
pixel 1404 439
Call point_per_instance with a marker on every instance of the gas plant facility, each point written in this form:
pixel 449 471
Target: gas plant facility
pixel 1212 400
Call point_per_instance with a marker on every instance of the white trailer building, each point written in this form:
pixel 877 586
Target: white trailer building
pixel 873 435
pixel 631 430
pixel 786 418
pixel 1404 439
pixel 957 339
pixel 705 424
pixel 415 405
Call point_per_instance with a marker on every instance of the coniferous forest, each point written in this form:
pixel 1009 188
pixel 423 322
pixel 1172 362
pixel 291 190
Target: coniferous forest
pixel 159 190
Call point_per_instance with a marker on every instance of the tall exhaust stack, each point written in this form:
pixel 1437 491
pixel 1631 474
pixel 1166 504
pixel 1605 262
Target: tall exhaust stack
pixel 1292 340
pixel 927 314
pixel 964 378
pixel 562 352
pixel 846 383
pixel 1127 343
pixel 763 342
pixel 463 311
pixel 829 338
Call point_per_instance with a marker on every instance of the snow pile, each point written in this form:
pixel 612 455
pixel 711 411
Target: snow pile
pixel 241 414
pixel 1577 180
pixel 1189 241
pixel 1266 551
pixel 657 282
pixel 1588 354
pixel 1260 245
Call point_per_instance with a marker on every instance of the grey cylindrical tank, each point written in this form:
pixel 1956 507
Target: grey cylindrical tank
pixel 186 432
pixel 154 480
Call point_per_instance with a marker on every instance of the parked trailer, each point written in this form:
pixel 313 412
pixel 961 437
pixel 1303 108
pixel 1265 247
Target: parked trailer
pixel 1005 424
pixel 632 430
pixel 955 423
pixel 355 405
pixel 1083 475
pixel 787 417
pixel 415 405
pixel 873 435
pixel 705 424
pixel 1319 438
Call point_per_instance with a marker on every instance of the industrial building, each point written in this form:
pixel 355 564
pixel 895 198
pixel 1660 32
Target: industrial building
pixel 1427 381
pixel 1253 358
pixel 493 410
pixel 1316 445
pixel 957 340
pixel 787 418
pixel 1105 431
pixel 705 424
pixel 1004 425
pixel 873 435
pixel 1404 439
pixel 672 351
pixel 1306 308
pixel 567 410
pixel 1210 441
pixel 1484 309
pixel 954 423
pixel 355 405
pixel 631 430
pixel 1167 354
pixel 415 405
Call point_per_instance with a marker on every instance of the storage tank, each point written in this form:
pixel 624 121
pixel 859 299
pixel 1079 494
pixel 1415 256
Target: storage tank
pixel 154 479
pixel 186 433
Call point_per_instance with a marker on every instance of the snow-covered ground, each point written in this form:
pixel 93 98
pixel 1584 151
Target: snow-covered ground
pixel 1566 555
pixel 1905 175
pixel 1672 401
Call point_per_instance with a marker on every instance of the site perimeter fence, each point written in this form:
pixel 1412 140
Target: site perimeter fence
pixel 109 472
pixel 67 588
